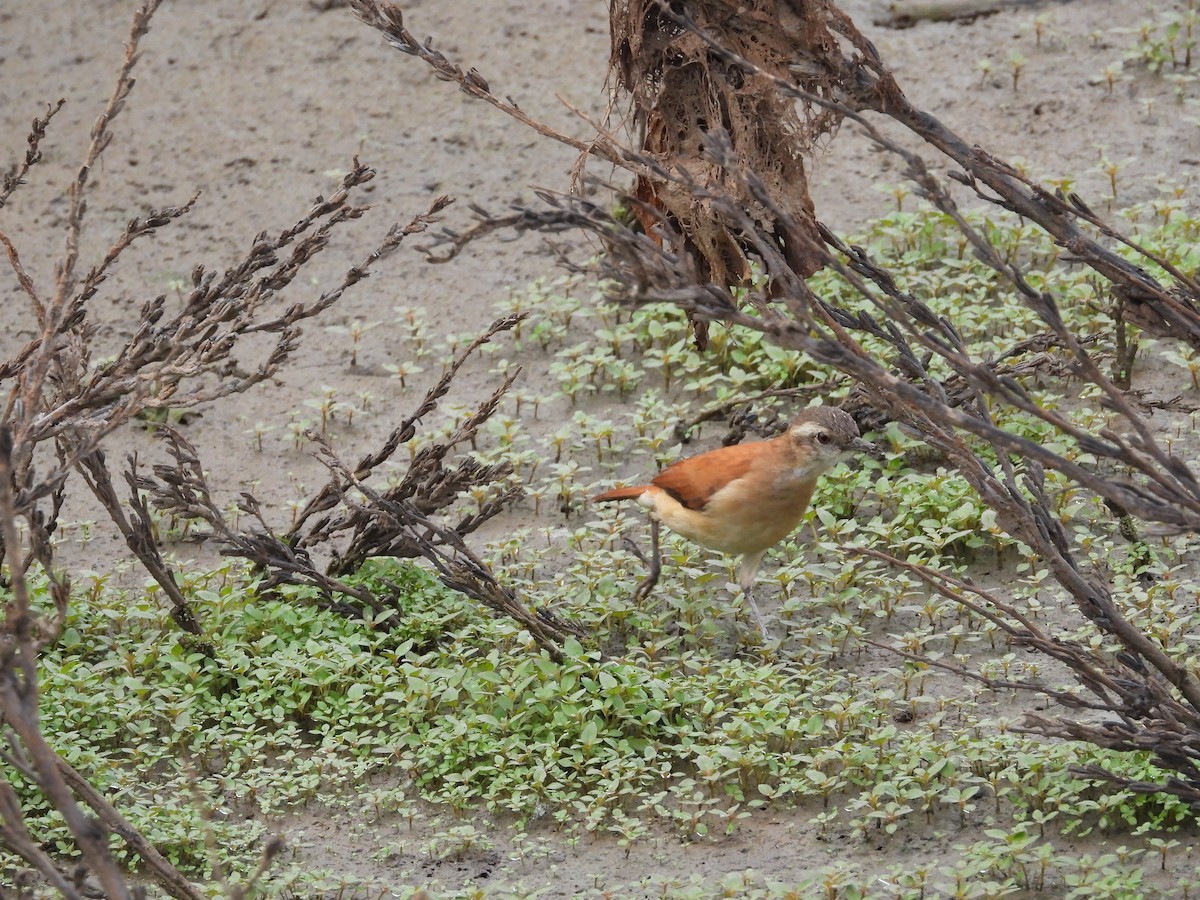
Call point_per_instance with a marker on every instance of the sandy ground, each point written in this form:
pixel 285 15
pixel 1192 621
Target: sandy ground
pixel 261 104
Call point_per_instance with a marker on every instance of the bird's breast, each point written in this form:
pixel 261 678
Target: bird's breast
pixel 745 516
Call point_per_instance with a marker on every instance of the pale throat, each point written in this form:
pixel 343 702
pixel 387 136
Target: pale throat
pixel 809 467
pixel 806 471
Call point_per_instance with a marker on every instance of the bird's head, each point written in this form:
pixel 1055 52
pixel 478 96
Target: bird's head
pixel 824 436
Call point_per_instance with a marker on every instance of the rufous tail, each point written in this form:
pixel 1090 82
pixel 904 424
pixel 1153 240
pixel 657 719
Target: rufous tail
pixel 625 493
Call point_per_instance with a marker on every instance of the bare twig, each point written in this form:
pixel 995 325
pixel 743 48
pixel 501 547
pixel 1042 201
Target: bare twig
pixel 168 876
pixel 181 491
pixel 19 644
pixel 458 567
pixel 33 155
pixel 355 522
pixel 388 18
pixel 16 837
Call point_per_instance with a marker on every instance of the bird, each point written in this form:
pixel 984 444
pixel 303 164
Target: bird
pixel 746 498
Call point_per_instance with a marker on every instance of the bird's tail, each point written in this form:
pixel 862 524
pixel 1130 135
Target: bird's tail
pixel 625 493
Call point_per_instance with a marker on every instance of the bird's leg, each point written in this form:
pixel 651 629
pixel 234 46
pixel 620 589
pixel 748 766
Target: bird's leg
pixel 746 578
pixel 655 563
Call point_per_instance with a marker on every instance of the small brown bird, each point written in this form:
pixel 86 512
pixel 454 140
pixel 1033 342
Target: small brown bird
pixel 746 498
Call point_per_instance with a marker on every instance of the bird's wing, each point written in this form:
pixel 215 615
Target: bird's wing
pixel 694 480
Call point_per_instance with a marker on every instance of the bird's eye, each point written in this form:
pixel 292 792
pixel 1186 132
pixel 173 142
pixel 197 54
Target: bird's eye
pixel 823 437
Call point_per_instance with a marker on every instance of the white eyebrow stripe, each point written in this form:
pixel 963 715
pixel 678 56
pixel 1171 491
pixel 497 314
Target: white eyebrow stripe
pixel 808 429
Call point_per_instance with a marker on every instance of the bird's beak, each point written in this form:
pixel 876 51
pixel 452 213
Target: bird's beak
pixel 858 445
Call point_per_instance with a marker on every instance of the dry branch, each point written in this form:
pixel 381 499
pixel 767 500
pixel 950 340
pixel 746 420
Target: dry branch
pixel 22 635
pixel 350 521
pixel 167 875
pixel 412 531
pixel 812 54
pixel 388 19
pixel 15 177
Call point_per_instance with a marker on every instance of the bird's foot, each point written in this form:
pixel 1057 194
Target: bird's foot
pixel 748 593
pixel 654 566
